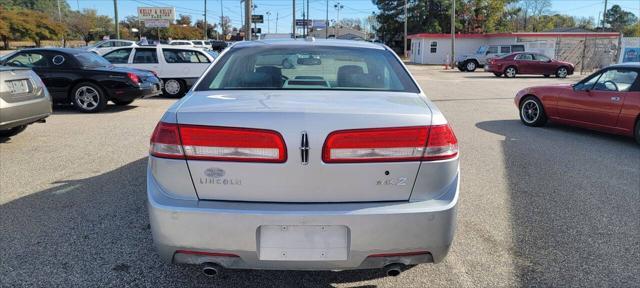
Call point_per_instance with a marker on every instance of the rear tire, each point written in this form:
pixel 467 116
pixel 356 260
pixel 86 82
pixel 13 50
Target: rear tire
pixel 532 112
pixel 174 87
pixel 510 72
pixel 13 131
pixel 121 103
pixel 497 74
pixel 88 98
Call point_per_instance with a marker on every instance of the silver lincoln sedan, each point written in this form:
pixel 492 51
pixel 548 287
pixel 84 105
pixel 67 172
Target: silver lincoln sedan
pixel 304 155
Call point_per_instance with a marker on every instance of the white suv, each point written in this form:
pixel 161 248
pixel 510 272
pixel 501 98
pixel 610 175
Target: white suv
pixel 469 63
pixel 178 66
pixel 104 47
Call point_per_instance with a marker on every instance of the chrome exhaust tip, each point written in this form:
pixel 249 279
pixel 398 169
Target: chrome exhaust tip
pixel 211 269
pixel 394 270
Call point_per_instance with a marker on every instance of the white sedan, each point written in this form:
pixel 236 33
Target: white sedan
pixel 179 67
pixel 106 46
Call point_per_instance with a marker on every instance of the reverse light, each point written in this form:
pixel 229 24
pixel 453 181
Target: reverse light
pixel 420 143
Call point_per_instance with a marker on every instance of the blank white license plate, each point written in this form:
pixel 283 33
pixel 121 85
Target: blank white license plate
pixel 18 86
pixel 303 243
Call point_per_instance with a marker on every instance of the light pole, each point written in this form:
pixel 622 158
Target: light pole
pixel 205 20
pixel 268 22
pixel 222 20
pixel 115 14
pixel 276 22
pixel 405 28
pixel 453 34
pixel 338 7
pixel 326 22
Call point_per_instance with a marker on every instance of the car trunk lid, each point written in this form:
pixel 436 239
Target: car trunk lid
pixel 315 115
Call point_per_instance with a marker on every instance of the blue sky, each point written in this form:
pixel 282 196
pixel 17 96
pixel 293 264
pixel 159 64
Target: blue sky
pixel 282 8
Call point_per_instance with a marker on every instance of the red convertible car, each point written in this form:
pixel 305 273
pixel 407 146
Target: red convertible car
pixel 528 63
pixel 607 101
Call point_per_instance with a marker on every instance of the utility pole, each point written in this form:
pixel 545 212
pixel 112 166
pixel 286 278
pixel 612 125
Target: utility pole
pixel 247 19
pixel 338 7
pixel 115 14
pixel 222 20
pixel 276 22
pixel 326 23
pixel 405 28
pixel 307 29
pixel 453 34
pixel 64 44
pixel 293 25
pixel 268 22
pixel 205 21
pixel 304 22
pixel 604 15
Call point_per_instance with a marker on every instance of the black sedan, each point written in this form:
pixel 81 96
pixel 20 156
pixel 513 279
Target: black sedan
pixel 84 78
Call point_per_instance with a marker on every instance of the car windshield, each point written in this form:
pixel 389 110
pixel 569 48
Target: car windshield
pixel 300 67
pixel 93 60
pixel 481 50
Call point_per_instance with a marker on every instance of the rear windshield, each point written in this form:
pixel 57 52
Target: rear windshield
pixel 89 59
pixel 303 67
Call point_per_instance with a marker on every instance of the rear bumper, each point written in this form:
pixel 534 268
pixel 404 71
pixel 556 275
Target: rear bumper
pixel 149 90
pixel 233 228
pixel 23 113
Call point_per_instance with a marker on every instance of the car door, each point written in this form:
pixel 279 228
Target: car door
pixel 146 58
pixel 597 101
pixel 183 63
pixel 543 65
pixel 492 52
pixel 524 63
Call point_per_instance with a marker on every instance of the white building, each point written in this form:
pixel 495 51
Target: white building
pixel 429 48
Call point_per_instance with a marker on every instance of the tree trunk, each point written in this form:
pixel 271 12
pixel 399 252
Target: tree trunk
pixel 5 41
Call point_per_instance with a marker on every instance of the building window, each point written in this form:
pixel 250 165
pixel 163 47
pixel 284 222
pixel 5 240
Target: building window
pixel 434 47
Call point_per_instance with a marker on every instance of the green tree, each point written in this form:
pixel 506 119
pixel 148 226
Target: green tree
pixel 183 20
pixel 618 19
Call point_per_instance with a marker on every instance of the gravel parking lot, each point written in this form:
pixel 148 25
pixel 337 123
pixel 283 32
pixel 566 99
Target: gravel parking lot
pixel 552 206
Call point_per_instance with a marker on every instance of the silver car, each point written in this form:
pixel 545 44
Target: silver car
pixel 337 162
pixel 23 100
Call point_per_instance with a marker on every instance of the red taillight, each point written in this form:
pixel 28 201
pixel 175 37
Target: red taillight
pixel 442 144
pixel 165 141
pixel 133 77
pixel 390 144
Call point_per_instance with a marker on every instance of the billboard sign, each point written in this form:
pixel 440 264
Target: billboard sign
pixel 300 22
pixel 318 24
pixel 630 51
pixel 157 13
pixel 257 18
pixel 156 23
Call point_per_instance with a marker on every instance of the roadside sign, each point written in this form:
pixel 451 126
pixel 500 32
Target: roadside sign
pixel 156 23
pixel 300 22
pixel 318 24
pixel 257 19
pixel 157 13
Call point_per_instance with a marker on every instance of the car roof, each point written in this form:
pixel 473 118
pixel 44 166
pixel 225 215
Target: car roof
pixel 59 50
pixel 309 42
pixel 627 65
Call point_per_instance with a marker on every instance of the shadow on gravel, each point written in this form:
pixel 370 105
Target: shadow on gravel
pixel 575 202
pixel 95 232
pixel 61 109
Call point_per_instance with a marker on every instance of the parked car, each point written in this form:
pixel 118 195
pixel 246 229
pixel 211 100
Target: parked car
pixel 262 167
pixel 607 101
pixel 84 78
pixel 470 63
pixel 186 43
pixel 202 44
pixel 23 100
pixel 105 46
pixel 528 63
pixel 178 67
